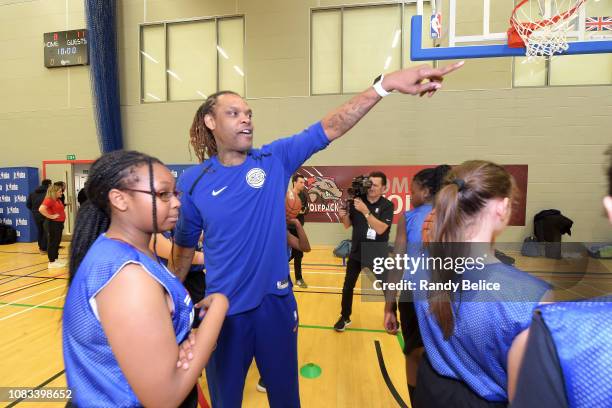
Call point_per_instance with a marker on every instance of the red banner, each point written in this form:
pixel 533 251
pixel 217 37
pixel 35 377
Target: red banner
pixel 326 189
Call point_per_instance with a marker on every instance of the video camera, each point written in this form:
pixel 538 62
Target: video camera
pixel 358 189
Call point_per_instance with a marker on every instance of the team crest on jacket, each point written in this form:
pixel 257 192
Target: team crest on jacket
pixel 256 177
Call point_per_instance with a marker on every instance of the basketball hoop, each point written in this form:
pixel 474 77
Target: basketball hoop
pixel 540 32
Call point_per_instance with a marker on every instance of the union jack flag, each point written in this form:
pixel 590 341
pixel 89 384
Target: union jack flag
pixel 599 23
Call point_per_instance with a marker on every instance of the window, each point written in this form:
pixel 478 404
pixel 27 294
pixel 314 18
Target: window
pixel 190 60
pixel 352 45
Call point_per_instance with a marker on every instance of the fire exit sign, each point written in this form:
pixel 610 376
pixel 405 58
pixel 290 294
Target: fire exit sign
pixel 71 157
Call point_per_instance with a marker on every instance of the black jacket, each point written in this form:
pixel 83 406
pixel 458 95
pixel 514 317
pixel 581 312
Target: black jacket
pixel 549 226
pixel 36 198
pixel 82 196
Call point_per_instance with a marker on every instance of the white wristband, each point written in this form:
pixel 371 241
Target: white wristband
pixel 379 89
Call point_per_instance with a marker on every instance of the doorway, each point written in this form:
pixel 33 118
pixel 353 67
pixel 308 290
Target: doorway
pixel 74 173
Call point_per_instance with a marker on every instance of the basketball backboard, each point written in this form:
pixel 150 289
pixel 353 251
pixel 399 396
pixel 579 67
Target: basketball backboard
pixel 589 31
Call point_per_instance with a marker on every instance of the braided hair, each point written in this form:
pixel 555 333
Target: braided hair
pixel 432 178
pixel 114 170
pixel 201 137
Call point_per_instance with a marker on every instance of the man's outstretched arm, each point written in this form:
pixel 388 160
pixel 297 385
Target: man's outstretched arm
pixel 407 81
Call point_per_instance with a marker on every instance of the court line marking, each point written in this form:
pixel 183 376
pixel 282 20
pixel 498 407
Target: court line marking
pixel 329 287
pixel 37 307
pixel 319 268
pixel 33 277
pixel 31 308
pixel 355 329
pixel 21 252
pixel 356 290
pixel 28 286
pixel 385 374
pixel 593 287
pixel 334 265
pixel 324 287
pixel 312 292
pixel 361 291
pixel 399 336
pixel 305 326
pixel 27 275
pixel 400 339
pixel 24 267
pixel 4 304
pixel 323 273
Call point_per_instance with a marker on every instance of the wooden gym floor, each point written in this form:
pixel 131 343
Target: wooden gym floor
pixel 32 297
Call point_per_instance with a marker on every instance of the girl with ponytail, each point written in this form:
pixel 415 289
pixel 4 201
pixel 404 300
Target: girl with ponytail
pixel 470 336
pixel 127 319
pixel 567 358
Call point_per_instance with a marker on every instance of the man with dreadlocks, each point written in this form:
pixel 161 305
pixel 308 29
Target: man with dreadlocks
pixel 236 196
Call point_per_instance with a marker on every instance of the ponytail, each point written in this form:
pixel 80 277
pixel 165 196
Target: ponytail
pixel 465 192
pixel 446 231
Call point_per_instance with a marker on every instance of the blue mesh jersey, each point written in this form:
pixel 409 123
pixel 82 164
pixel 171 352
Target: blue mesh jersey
pixel 92 371
pixel 414 222
pixel 414 236
pixel 476 353
pixel 241 210
pixel 582 333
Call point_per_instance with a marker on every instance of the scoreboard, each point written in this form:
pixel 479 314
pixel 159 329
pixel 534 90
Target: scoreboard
pixel 66 48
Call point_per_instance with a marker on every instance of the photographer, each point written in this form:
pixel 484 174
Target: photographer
pixel 371 216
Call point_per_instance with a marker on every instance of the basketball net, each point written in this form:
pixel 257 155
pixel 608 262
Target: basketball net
pixel 542 30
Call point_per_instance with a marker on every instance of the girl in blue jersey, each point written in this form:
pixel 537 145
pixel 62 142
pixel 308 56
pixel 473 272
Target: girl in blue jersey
pixel 567 359
pixel 423 189
pixel 470 335
pixel 126 315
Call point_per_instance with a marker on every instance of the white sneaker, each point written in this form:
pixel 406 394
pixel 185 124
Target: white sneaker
pixel 56 264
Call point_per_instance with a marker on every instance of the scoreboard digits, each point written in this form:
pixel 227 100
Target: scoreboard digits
pixel 66 48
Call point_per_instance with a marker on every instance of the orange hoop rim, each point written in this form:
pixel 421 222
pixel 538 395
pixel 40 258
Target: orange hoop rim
pixel 531 26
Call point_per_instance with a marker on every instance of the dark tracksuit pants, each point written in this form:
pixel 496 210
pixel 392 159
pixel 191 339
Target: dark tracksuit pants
pixel 54 231
pixel 39 220
pixel 353 268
